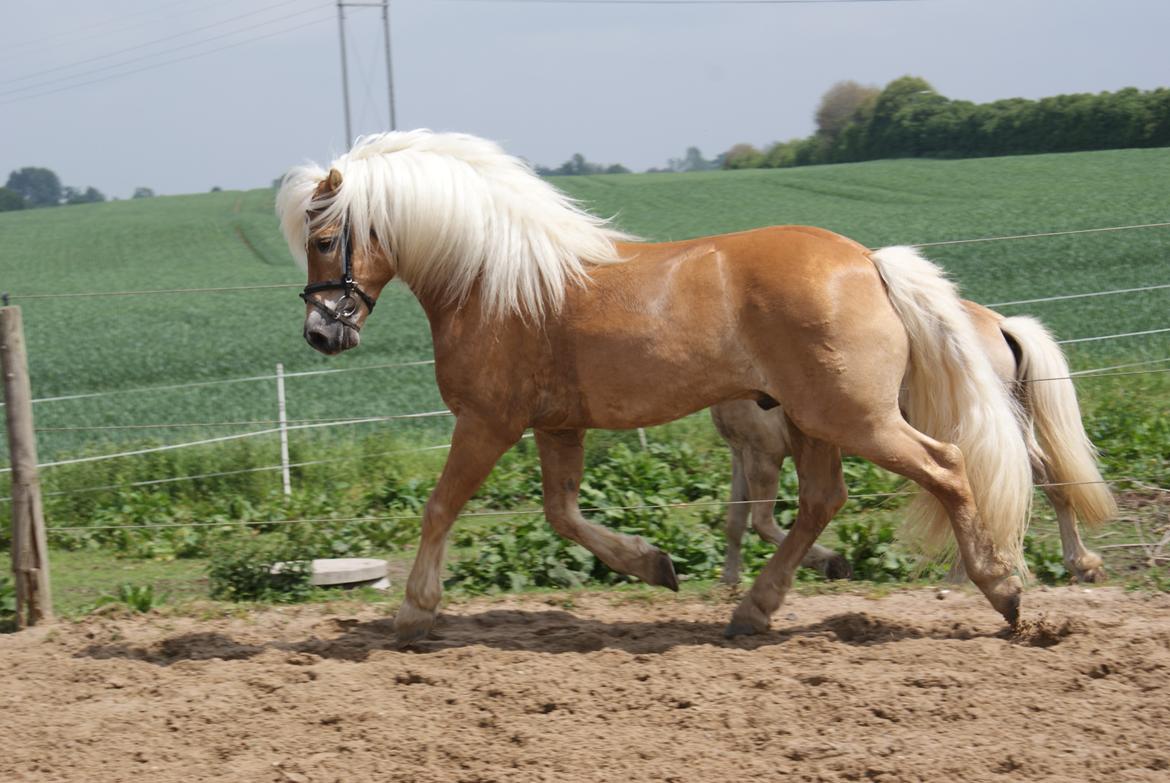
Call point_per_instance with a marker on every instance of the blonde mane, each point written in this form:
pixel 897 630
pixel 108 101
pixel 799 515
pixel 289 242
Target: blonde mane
pixel 454 211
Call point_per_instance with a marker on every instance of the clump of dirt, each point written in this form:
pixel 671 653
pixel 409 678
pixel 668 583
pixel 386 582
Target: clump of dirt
pixel 843 688
pixel 1043 632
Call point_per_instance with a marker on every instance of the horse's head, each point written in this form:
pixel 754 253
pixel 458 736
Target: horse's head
pixel 346 275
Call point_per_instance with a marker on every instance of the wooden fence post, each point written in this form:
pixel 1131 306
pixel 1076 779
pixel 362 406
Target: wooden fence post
pixel 30 555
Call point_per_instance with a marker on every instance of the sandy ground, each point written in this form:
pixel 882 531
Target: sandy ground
pixel 606 687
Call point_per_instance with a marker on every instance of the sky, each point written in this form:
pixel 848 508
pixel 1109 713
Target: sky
pixel 185 95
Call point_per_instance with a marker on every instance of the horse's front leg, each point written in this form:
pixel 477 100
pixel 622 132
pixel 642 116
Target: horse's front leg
pixel 562 461
pixel 475 448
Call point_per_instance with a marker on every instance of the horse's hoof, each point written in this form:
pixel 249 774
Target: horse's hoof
pixel 661 571
pixel 1005 597
pixel 1094 576
pixel 1089 569
pixel 838 568
pixel 411 624
pixel 735 629
pixel 747 619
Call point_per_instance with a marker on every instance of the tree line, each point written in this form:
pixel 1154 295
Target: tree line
pixel 909 118
pixel 33 186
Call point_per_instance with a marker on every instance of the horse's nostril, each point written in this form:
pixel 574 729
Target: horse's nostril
pixel 317 339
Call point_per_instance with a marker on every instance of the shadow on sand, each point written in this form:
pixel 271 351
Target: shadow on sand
pixel 536 631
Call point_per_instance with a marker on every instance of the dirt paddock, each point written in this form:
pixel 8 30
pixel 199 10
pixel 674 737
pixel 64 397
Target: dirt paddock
pixel 846 687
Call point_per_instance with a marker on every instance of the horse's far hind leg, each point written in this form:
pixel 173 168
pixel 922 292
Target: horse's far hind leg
pixel 822 493
pixel 737 518
pixel 1084 564
pixel 562 462
pixel 762 472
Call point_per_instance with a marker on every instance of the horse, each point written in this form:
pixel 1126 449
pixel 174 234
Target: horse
pixel 1029 362
pixel 547 317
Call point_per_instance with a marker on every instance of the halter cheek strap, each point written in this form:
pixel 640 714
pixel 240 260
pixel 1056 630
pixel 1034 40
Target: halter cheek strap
pixel 346 310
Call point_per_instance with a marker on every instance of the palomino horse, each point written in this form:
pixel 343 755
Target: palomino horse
pixel 544 316
pixel 1028 361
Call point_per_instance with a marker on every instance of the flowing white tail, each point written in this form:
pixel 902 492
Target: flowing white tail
pixel 954 396
pixel 1050 399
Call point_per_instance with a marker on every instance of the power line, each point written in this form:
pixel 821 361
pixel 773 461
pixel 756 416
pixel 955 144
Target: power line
pixel 144 292
pixel 1112 336
pixel 152 66
pixel 529 512
pixel 683 2
pixel 147 44
pixel 1065 297
pixel 84 33
pixel 259 287
pixel 1035 236
pixel 234 436
pixel 245 379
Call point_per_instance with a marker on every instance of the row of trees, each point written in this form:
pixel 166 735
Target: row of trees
pixel 32 187
pixel 692 160
pixel 908 118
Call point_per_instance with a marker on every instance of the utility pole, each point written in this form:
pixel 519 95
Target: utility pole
pixel 344 72
pixel 389 68
pixel 385 6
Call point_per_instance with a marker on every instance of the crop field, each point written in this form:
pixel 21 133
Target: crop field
pixel 108 343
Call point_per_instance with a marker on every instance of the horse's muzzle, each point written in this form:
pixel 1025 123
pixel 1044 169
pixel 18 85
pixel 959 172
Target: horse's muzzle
pixel 328 336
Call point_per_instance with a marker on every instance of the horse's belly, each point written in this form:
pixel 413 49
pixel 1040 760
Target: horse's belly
pixel 651 383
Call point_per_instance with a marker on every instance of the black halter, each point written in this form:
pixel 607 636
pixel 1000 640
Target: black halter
pixel 347 306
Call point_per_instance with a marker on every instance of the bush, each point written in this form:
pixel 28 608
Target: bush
pixel 137 598
pixel 869 546
pixel 246 570
pixel 523 554
pixel 1045 561
pixel 7 604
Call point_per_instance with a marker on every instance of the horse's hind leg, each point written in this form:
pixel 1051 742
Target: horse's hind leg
pixel 562 461
pixel 737 517
pixel 762 472
pixel 822 493
pixel 1084 564
pixel 938 468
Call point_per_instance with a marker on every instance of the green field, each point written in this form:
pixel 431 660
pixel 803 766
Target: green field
pixel 229 239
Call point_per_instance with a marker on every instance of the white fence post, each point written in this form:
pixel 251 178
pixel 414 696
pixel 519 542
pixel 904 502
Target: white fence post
pixel 283 430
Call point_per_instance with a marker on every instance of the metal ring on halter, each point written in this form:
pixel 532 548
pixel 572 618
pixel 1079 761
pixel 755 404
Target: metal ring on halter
pixel 346 310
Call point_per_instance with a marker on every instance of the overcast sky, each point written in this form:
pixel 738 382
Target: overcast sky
pixel 619 82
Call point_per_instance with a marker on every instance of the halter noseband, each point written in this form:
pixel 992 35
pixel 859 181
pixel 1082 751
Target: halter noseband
pixel 346 306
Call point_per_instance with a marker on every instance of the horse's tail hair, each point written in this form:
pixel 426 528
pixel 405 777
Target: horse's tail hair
pixel 954 396
pixel 1048 395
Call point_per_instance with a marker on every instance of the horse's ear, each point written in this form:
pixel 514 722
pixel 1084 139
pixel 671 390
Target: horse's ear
pixel 330 184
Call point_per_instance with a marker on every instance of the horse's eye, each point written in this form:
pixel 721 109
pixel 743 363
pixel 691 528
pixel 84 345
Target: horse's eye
pixel 325 245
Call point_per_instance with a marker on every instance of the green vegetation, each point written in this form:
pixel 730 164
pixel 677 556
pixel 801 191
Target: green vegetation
pixel 136 598
pixel 7 604
pixel 275 568
pixel 908 118
pixel 230 239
